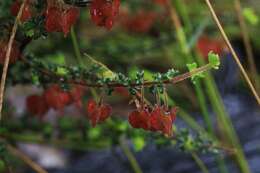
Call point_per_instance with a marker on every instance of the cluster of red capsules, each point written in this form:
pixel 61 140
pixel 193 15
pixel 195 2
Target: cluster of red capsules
pixel 53 97
pixel 60 17
pixel 103 12
pixel 98 112
pixel 159 118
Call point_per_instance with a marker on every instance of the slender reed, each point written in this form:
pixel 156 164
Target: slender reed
pixel 37 168
pixel 234 54
pixel 247 44
pixel 7 56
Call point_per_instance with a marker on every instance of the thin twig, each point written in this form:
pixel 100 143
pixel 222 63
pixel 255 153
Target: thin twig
pixel 234 54
pixel 247 44
pixel 7 56
pixel 37 168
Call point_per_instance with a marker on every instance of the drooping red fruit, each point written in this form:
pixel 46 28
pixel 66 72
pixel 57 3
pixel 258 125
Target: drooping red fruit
pixel 60 20
pixel 77 92
pixel 139 119
pixel 103 12
pixel 91 106
pixel 173 112
pixel 105 112
pixel 56 98
pixel 98 113
pixel 133 119
pixel 94 117
pixel 36 105
pixel 52 22
pixel 165 123
pixel 162 120
pixel 69 18
pixel 15 52
pixel 27 12
pixel 154 119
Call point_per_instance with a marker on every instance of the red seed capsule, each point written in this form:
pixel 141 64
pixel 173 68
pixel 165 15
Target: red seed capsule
pixel 97 113
pixel 91 106
pixel 69 18
pixel 60 20
pixel 52 22
pixel 36 105
pixel 27 12
pixel 76 93
pixel 103 12
pixel 139 119
pixel 56 98
pixel 105 112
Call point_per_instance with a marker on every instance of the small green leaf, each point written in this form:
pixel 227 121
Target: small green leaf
pixel 61 71
pixel 188 145
pixel 138 143
pixel 250 16
pixel 35 79
pixel 148 75
pixel 195 77
pixel 192 66
pixel 30 33
pixel 214 60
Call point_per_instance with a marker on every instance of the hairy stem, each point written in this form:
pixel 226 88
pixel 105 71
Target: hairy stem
pixel 174 80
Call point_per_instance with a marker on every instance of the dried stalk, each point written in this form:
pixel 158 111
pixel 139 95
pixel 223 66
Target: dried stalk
pixel 37 168
pixel 247 44
pixel 234 54
pixel 7 56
